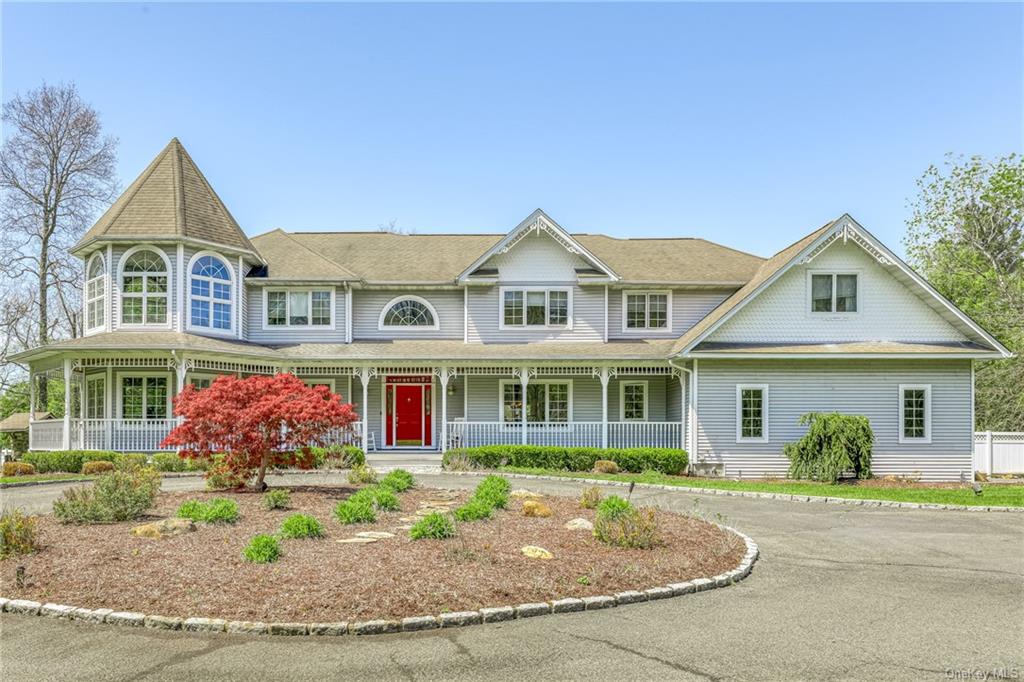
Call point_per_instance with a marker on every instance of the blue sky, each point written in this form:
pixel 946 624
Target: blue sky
pixel 749 125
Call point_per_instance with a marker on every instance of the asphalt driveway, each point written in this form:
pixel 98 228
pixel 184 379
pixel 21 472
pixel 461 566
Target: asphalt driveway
pixel 840 592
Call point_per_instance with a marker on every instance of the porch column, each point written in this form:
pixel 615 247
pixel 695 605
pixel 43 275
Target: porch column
pixel 604 376
pixel 684 415
pixel 364 376
pixel 67 404
pixel 31 395
pixel 443 376
pixel 524 381
pixel 179 369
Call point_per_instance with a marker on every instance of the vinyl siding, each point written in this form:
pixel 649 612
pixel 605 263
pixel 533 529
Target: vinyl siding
pixel 536 258
pixel 866 387
pixel 485 308
pixel 367 305
pixel 888 310
pixel 255 312
pixel 688 307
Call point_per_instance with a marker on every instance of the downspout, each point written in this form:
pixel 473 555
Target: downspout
pixel 691 416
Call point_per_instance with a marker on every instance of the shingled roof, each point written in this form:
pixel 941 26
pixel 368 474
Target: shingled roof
pixel 170 199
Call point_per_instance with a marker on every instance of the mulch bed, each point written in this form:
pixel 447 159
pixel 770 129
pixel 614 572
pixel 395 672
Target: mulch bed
pixel 203 573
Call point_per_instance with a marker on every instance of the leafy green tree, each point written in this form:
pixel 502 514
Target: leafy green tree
pixel 966 236
pixel 15 399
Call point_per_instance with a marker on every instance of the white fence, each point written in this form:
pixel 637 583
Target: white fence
pixel 999 452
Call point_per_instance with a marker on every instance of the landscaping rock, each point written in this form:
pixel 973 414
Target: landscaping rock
pixel 81 614
pixel 567 605
pixel 56 610
pixel 408 519
pixel 630 597
pixel 164 528
pixel 3 603
pixel 579 524
pixel 289 628
pixel 94 616
pixel 25 606
pixel 131 618
pixel 203 624
pixel 658 593
pixel 460 618
pixel 682 588
pixel 357 541
pixel 375 534
pixel 245 627
pixel 375 627
pixel 497 614
pixel 701 584
pixel 602 602
pixel 530 610
pixel 523 494
pixel 163 622
pixel 328 629
pixel 535 552
pixel 536 509
pixel 414 623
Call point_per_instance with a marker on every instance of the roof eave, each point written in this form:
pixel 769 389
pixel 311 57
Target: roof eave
pixel 84 245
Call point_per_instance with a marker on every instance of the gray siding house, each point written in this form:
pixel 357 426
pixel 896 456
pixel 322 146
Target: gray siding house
pixel 534 336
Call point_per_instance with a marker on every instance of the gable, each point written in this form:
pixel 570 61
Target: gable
pixel 537 257
pixel 888 310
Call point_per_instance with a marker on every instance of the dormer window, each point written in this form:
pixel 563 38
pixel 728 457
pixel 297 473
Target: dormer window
pixel 144 286
pixel 408 311
pixel 833 292
pixel 210 304
pixel 95 294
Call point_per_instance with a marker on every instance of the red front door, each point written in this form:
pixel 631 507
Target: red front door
pixel 408 413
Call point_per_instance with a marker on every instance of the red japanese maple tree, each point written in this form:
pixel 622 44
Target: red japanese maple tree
pixel 255 423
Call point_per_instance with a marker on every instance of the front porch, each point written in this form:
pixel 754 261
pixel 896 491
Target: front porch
pixel 124 403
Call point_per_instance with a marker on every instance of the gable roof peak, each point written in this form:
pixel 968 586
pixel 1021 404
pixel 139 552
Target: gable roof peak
pixel 171 198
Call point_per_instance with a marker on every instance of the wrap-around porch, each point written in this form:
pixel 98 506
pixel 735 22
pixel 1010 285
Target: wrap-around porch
pixel 125 403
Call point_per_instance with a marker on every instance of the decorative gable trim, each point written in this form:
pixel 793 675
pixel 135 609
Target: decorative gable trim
pixel 848 229
pixel 536 223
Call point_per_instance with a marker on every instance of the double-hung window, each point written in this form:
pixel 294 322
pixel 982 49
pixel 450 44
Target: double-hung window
pixel 633 401
pixel 751 413
pixel 645 310
pixel 529 307
pixel 915 413
pixel 144 397
pixel 834 292
pixel 299 308
pixel 95 294
pixel 547 402
pixel 95 396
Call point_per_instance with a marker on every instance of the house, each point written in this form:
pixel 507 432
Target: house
pixel 535 336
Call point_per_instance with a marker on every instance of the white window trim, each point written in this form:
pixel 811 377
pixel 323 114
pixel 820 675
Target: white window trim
pixel 927 439
pixel 89 378
pixel 189 297
pixel 120 394
pixel 547 308
pixel 201 375
pixel 739 413
pixel 404 328
pixel 288 325
pixel 647 314
pixel 169 272
pixel 501 401
pixel 101 300
pixel 622 400
pixel 809 304
pixel 319 381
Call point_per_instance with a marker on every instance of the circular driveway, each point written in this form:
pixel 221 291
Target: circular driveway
pixel 839 592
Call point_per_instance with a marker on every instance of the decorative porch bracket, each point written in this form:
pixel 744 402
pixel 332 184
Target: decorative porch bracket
pixel 444 374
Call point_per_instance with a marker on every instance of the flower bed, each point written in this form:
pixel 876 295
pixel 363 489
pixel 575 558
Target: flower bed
pixel 318 579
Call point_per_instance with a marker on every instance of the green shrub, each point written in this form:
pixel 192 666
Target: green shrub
pixel 220 477
pixel 631 528
pixel 301 526
pixel 71 461
pixel 172 462
pixel 493 491
pixel 17 533
pixel 834 444
pixel 128 460
pixel 96 467
pixel 276 499
pixel 474 510
pixel 590 498
pixel 398 480
pixel 262 549
pixel 18 469
pixel 338 456
pixel 612 507
pixel 115 496
pixel 670 461
pixel 362 474
pixel 219 510
pixel 358 508
pixel 435 526
pixel 384 497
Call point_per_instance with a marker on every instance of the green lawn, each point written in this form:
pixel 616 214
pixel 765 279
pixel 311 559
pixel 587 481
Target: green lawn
pixel 42 478
pixel 992 495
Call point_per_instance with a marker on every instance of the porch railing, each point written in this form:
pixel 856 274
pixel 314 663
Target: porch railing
pixel 124 435
pixel 573 434
pixel 46 434
pixel 351 435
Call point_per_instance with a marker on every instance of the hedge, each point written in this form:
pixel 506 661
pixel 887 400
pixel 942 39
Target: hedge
pixel 71 461
pixel 670 461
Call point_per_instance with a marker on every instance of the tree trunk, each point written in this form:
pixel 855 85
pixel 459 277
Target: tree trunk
pixel 42 395
pixel 260 484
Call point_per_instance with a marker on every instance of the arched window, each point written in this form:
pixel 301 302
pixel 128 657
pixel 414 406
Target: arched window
pixel 144 278
pixel 211 293
pixel 95 293
pixel 408 311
